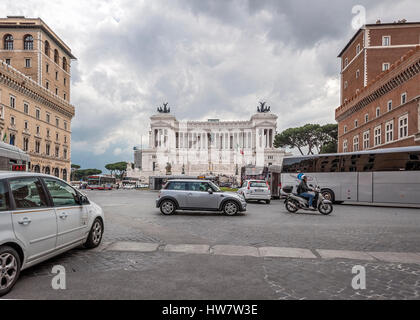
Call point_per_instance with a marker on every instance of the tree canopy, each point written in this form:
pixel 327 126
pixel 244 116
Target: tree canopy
pixel 118 168
pixel 314 137
pixel 81 174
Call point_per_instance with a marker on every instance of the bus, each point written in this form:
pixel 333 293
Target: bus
pixel 13 159
pixel 101 182
pixel 374 176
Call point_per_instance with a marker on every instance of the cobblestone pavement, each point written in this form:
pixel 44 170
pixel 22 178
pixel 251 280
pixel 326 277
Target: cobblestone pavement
pixel 132 217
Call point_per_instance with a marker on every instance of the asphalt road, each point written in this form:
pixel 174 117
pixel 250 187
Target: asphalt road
pixel 131 217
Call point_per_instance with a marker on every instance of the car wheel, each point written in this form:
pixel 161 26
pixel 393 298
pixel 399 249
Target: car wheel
pixel 9 269
pixel 95 235
pixel 267 201
pixel 230 208
pixel 167 207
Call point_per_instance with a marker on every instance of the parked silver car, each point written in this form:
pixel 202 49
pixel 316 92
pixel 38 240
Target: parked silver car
pixel 198 195
pixel 42 216
pixel 255 190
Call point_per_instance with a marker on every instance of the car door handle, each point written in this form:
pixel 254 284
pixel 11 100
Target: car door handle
pixel 63 215
pixel 25 221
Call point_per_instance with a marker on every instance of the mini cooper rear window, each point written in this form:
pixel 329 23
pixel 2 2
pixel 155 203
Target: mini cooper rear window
pixel 176 186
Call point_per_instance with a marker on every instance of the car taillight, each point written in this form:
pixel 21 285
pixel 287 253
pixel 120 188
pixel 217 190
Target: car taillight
pixel 249 185
pixel 268 186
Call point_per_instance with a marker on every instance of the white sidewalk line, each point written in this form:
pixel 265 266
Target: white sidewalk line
pixel 188 248
pixel 398 257
pixel 133 246
pixel 286 252
pixel 345 254
pixel 228 250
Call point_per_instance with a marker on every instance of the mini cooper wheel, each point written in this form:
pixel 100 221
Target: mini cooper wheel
pixel 9 269
pixel 167 207
pixel 95 235
pixel 230 208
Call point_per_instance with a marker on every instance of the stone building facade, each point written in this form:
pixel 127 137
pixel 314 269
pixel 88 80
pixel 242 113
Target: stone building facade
pixel 380 91
pixel 210 147
pixel 35 109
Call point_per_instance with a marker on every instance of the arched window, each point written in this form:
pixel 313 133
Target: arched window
pixel 56 56
pixel 47 170
pixel 64 63
pixel 47 48
pixel 64 174
pixel 8 42
pixel 28 42
pixel 36 169
pixel 56 172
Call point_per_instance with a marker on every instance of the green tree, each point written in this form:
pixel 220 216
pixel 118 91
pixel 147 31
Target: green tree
pixel 83 173
pixel 117 169
pixel 314 137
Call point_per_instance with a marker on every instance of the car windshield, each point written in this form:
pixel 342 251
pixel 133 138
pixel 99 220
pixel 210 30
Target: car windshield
pixel 214 187
pixel 258 184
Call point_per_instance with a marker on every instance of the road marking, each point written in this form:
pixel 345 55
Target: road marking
pixel 345 254
pixel 286 252
pixel 133 246
pixel 227 250
pixel 188 248
pixel 279 252
pixel 399 257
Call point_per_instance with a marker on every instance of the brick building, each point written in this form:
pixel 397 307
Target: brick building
pixel 380 88
pixel 35 109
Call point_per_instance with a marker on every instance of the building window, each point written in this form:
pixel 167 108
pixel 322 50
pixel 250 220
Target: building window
pixel 386 41
pixel 26 125
pixel 346 62
pixel 65 81
pixel 56 75
pixel 389 105
pixel 366 140
pixel 12 139
pixel 345 146
pixel 38 114
pixel 48 133
pixel 385 66
pixel 65 153
pixel 25 144
pixel 356 143
pixel 47 149
pixel 28 42
pixel 56 136
pixel 47 50
pixel 378 111
pixel 345 129
pixel 366 118
pixel 356 123
pixel 38 130
pixel 358 49
pixel 8 42
pixel 48 117
pixel 377 133
pixel 37 146
pixel 357 74
pixel 8 62
pixel 26 108
pixel 65 139
pixel 27 63
pixel 56 57
pixel 12 102
pixel 56 91
pixel 64 96
pixel 64 64
pixel 403 126
pixel 12 121
pixel 57 122
pixel 404 98
pixel 389 131
pixel 47 68
pixel 57 152
pixel 346 84
pixel 47 85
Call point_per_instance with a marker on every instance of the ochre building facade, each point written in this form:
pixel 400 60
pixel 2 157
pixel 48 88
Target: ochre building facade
pixel 35 109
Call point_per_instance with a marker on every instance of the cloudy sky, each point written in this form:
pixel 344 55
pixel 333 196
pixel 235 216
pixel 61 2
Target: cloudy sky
pixel 207 58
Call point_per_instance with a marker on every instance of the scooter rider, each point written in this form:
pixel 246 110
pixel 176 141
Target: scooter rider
pixel 303 191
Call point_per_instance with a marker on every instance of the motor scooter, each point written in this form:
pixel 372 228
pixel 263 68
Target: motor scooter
pixel 294 202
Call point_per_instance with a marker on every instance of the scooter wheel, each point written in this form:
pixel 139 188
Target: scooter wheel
pixel 325 208
pixel 291 207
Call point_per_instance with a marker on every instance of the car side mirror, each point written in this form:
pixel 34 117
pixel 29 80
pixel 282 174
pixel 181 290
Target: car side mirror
pixel 83 199
pixel 210 191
